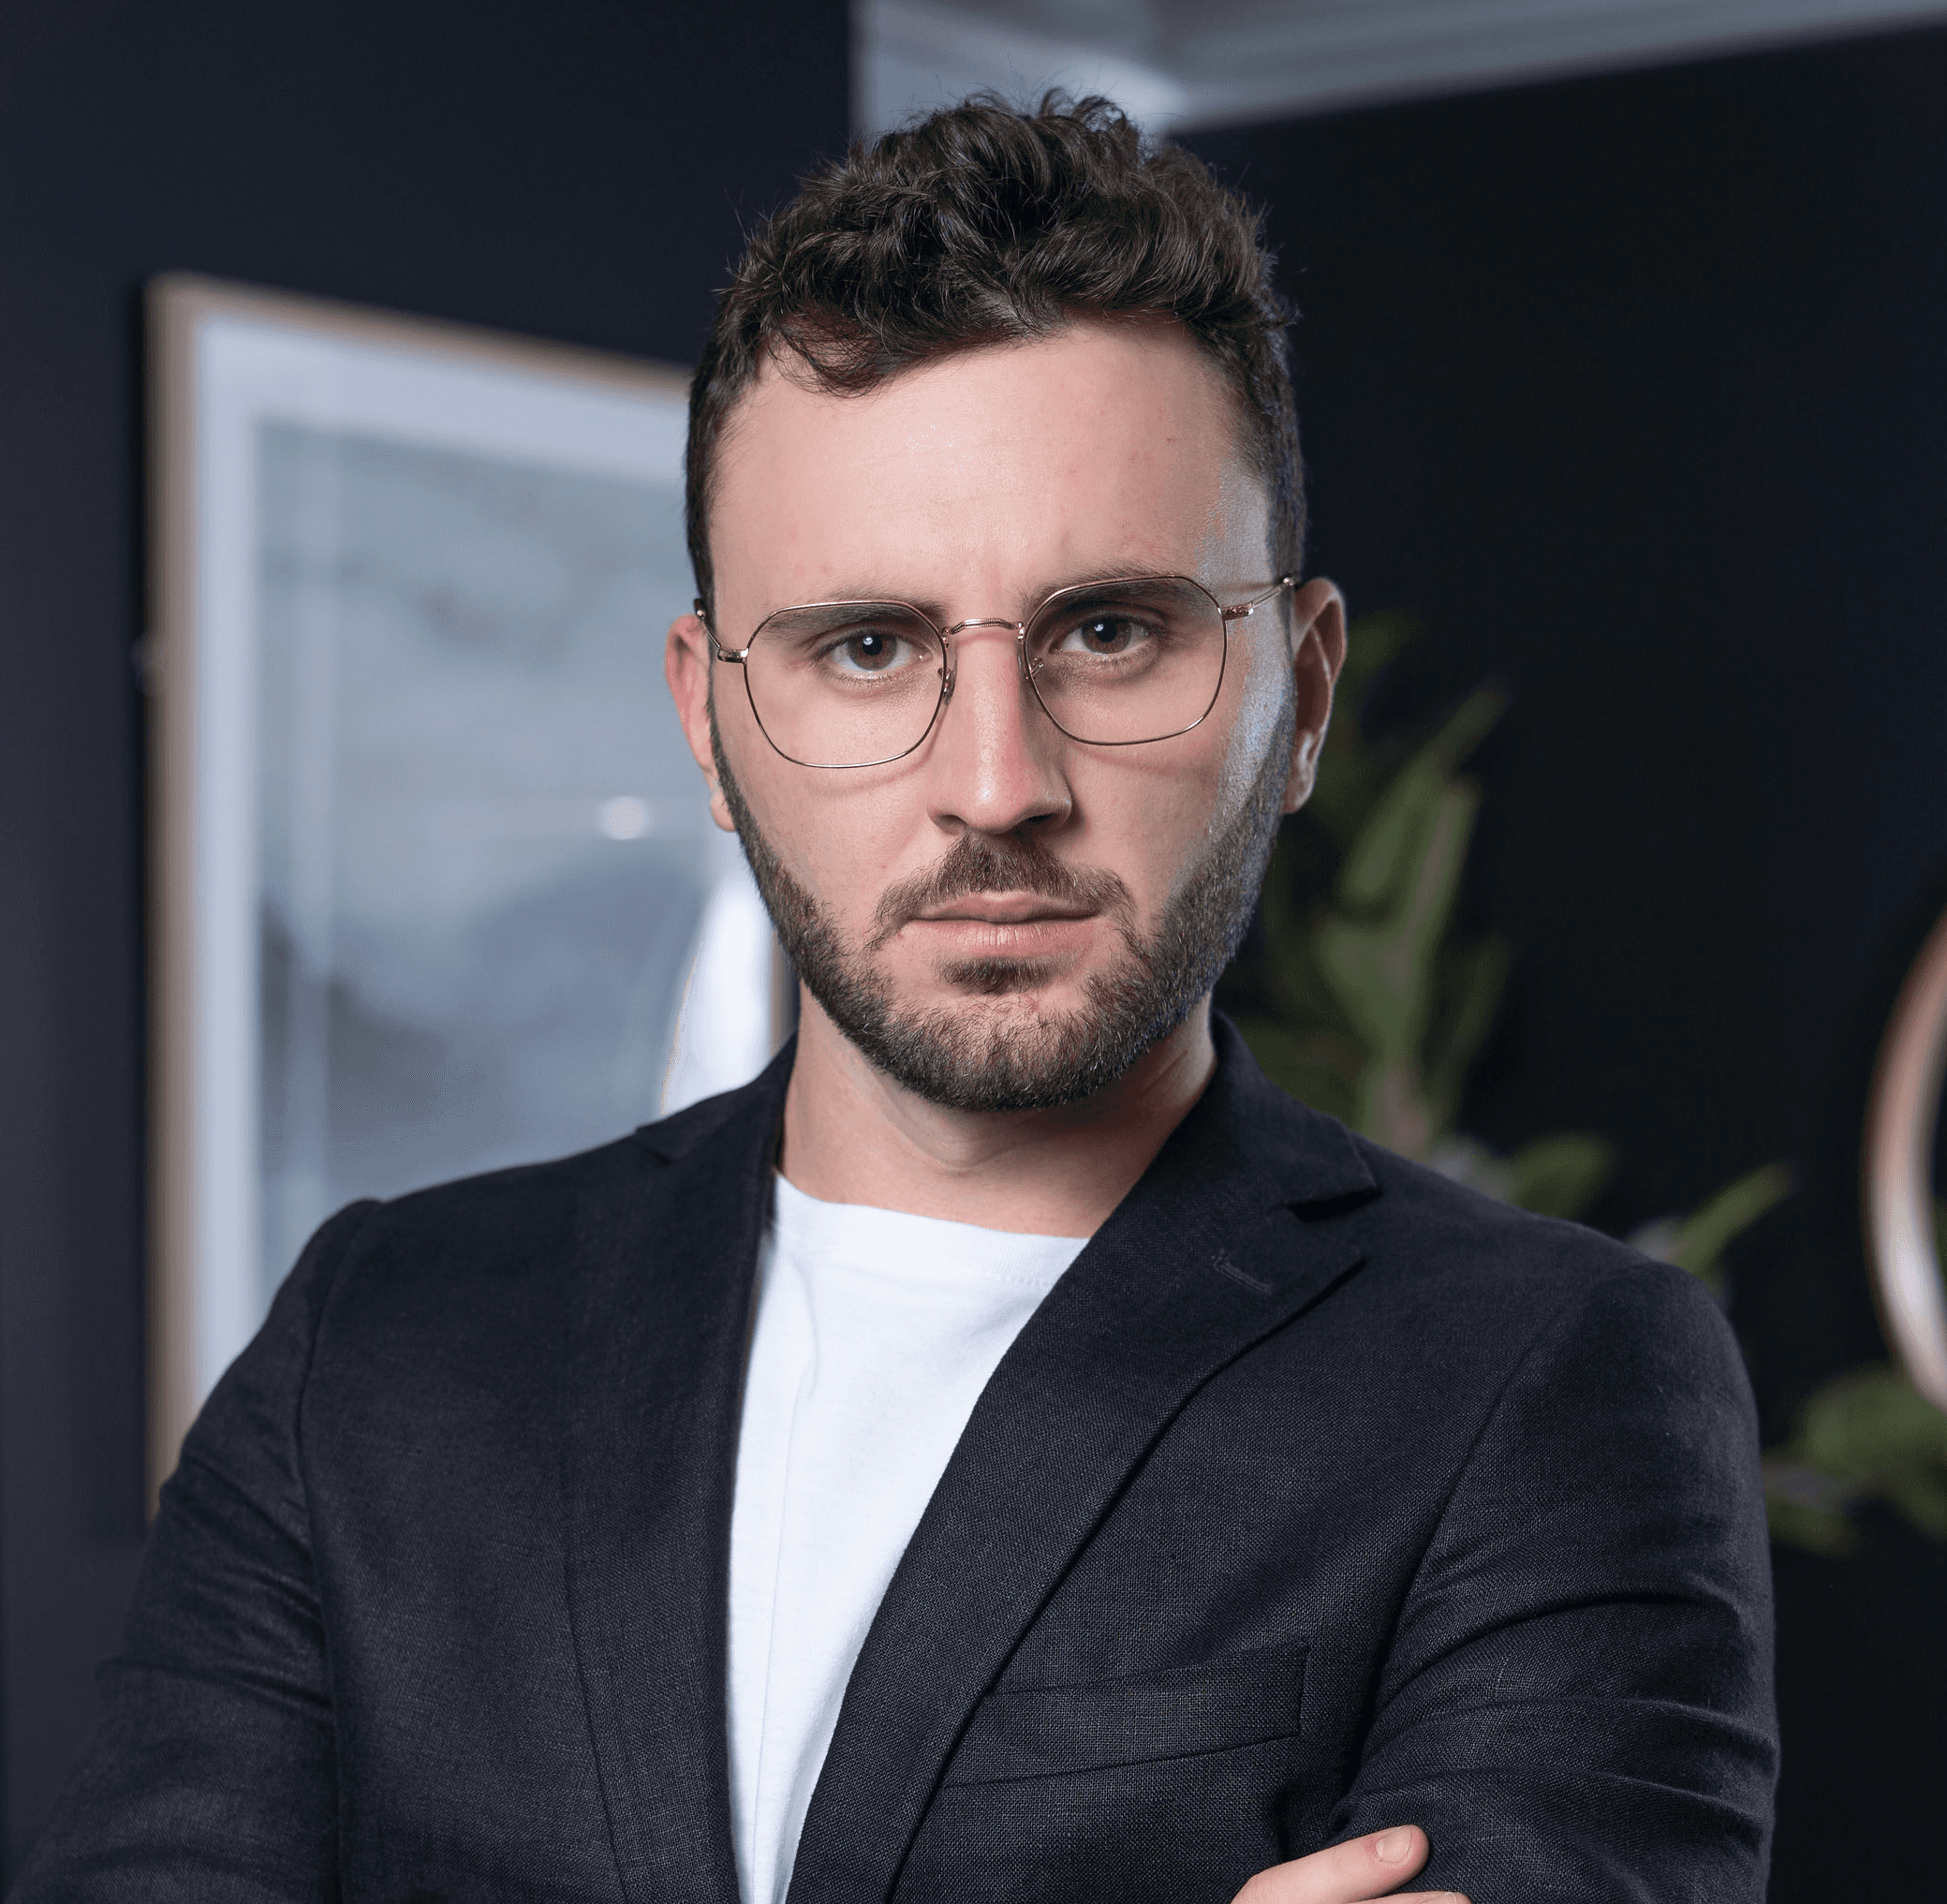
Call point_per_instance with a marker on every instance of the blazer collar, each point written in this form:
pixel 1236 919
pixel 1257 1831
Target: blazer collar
pixel 659 1311
pixel 1220 1243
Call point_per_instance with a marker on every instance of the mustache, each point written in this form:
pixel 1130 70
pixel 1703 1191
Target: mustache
pixel 986 862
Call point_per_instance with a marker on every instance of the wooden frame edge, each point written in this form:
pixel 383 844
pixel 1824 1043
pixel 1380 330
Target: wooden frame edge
pixel 441 337
pixel 174 309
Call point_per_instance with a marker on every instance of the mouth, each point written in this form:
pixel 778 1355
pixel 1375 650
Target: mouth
pixel 1002 926
pixel 999 899
pixel 1002 908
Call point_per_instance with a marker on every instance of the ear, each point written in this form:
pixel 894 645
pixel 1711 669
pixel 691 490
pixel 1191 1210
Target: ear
pixel 1318 654
pixel 687 667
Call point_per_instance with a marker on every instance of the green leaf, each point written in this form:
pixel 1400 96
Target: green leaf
pixel 1384 857
pixel 1821 1530
pixel 1703 1236
pixel 1359 962
pixel 1467 1161
pixel 1373 642
pixel 1391 1108
pixel 1869 1422
pixel 1387 851
pixel 1562 1175
pixel 1313 1068
pixel 1290 980
pixel 1381 971
pixel 1480 978
pixel 1869 1432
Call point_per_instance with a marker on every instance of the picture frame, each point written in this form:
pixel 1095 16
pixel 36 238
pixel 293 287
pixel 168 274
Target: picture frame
pixel 434 884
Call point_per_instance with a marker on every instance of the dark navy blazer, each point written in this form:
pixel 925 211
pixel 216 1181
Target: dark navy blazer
pixel 1321 1495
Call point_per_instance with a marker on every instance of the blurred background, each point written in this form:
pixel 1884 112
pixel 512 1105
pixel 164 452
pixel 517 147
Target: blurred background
pixel 1620 375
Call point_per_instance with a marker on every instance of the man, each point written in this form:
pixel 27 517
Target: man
pixel 1009 1451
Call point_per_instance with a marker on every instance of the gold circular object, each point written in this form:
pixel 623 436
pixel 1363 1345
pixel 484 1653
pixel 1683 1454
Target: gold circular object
pixel 1896 1170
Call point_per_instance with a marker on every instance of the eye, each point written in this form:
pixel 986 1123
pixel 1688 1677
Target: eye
pixel 1107 635
pixel 870 651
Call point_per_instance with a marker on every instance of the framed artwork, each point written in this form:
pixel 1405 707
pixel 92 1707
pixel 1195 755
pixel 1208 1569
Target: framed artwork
pixel 434 887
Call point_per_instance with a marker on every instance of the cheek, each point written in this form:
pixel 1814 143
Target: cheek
pixel 844 838
pixel 1146 815
pixel 1266 682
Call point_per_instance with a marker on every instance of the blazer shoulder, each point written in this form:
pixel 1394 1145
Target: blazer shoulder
pixel 1565 1337
pixel 485 1216
pixel 528 1212
pixel 476 1273
pixel 1437 1230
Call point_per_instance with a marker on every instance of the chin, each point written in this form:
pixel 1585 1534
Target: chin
pixel 994 977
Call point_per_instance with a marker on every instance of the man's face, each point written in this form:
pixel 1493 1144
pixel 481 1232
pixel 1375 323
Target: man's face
pixel 1007 918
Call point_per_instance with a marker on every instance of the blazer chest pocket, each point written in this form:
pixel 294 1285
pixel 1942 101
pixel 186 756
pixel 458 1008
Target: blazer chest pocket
pixel 1243 1700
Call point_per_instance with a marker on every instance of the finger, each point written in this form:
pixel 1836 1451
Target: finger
pixel 1375 1865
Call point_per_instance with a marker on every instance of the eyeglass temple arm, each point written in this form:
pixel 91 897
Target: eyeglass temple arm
pixel 717 650
pixel 1244 607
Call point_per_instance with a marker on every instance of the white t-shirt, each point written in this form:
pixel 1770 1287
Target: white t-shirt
pixel 875 1334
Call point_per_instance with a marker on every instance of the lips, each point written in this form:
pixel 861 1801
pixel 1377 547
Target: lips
pixel 1002 885
pixel 1002 908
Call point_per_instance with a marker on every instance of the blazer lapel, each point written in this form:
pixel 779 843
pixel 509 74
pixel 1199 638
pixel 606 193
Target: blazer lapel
pixel 652 1376
pixel 1207 1255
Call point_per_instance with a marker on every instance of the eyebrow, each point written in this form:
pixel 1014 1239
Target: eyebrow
pixel 936 611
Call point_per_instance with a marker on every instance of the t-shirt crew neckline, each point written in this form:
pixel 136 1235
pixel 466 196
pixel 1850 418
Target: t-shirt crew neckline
pixel 960 1253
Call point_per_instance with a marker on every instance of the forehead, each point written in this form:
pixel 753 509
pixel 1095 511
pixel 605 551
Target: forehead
pixel 1007 467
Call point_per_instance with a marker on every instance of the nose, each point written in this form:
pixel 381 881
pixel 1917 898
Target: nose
pixel 997 761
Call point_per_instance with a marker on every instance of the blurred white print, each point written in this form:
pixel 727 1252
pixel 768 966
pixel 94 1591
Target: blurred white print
pixel 451 871
pixel 481 853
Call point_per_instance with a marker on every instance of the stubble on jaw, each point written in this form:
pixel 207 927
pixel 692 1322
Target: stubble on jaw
pixel 973 1058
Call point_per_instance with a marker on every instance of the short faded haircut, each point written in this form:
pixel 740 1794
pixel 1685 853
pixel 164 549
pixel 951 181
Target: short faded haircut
pixel 984 223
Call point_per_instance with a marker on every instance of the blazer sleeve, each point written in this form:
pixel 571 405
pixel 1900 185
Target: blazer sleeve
pixel 1578 1704
pixel 211 1774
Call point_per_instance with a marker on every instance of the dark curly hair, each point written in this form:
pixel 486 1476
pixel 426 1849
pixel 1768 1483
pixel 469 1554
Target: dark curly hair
pixel 983 223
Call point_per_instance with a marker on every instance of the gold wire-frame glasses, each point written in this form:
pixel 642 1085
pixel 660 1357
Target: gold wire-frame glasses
pixel 1115 663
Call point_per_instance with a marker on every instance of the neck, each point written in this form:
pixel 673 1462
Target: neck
pixel 851 1135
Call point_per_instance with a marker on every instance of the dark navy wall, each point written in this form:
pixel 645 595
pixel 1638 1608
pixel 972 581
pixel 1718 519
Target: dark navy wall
pixel 577 171
pixel 1635 389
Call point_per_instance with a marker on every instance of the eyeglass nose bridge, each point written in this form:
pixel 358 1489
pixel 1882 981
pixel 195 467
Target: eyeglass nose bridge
pixel 947 673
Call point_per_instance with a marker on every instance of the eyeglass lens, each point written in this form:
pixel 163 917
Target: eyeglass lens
pixel 854 684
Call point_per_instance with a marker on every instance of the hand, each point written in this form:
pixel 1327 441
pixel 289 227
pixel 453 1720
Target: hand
pixel 1370 1867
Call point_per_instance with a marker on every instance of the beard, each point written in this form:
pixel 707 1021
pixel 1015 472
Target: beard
pixel 970 1057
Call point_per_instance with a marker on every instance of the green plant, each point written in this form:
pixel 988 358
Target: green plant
pixel 1366 997
pixel 1698 1242
pixel 1866 1434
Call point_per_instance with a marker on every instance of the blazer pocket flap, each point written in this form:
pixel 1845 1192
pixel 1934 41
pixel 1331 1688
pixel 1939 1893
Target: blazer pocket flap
pixel 1214 1707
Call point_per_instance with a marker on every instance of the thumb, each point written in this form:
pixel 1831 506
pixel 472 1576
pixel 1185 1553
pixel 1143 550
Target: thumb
pixel 1375 1865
